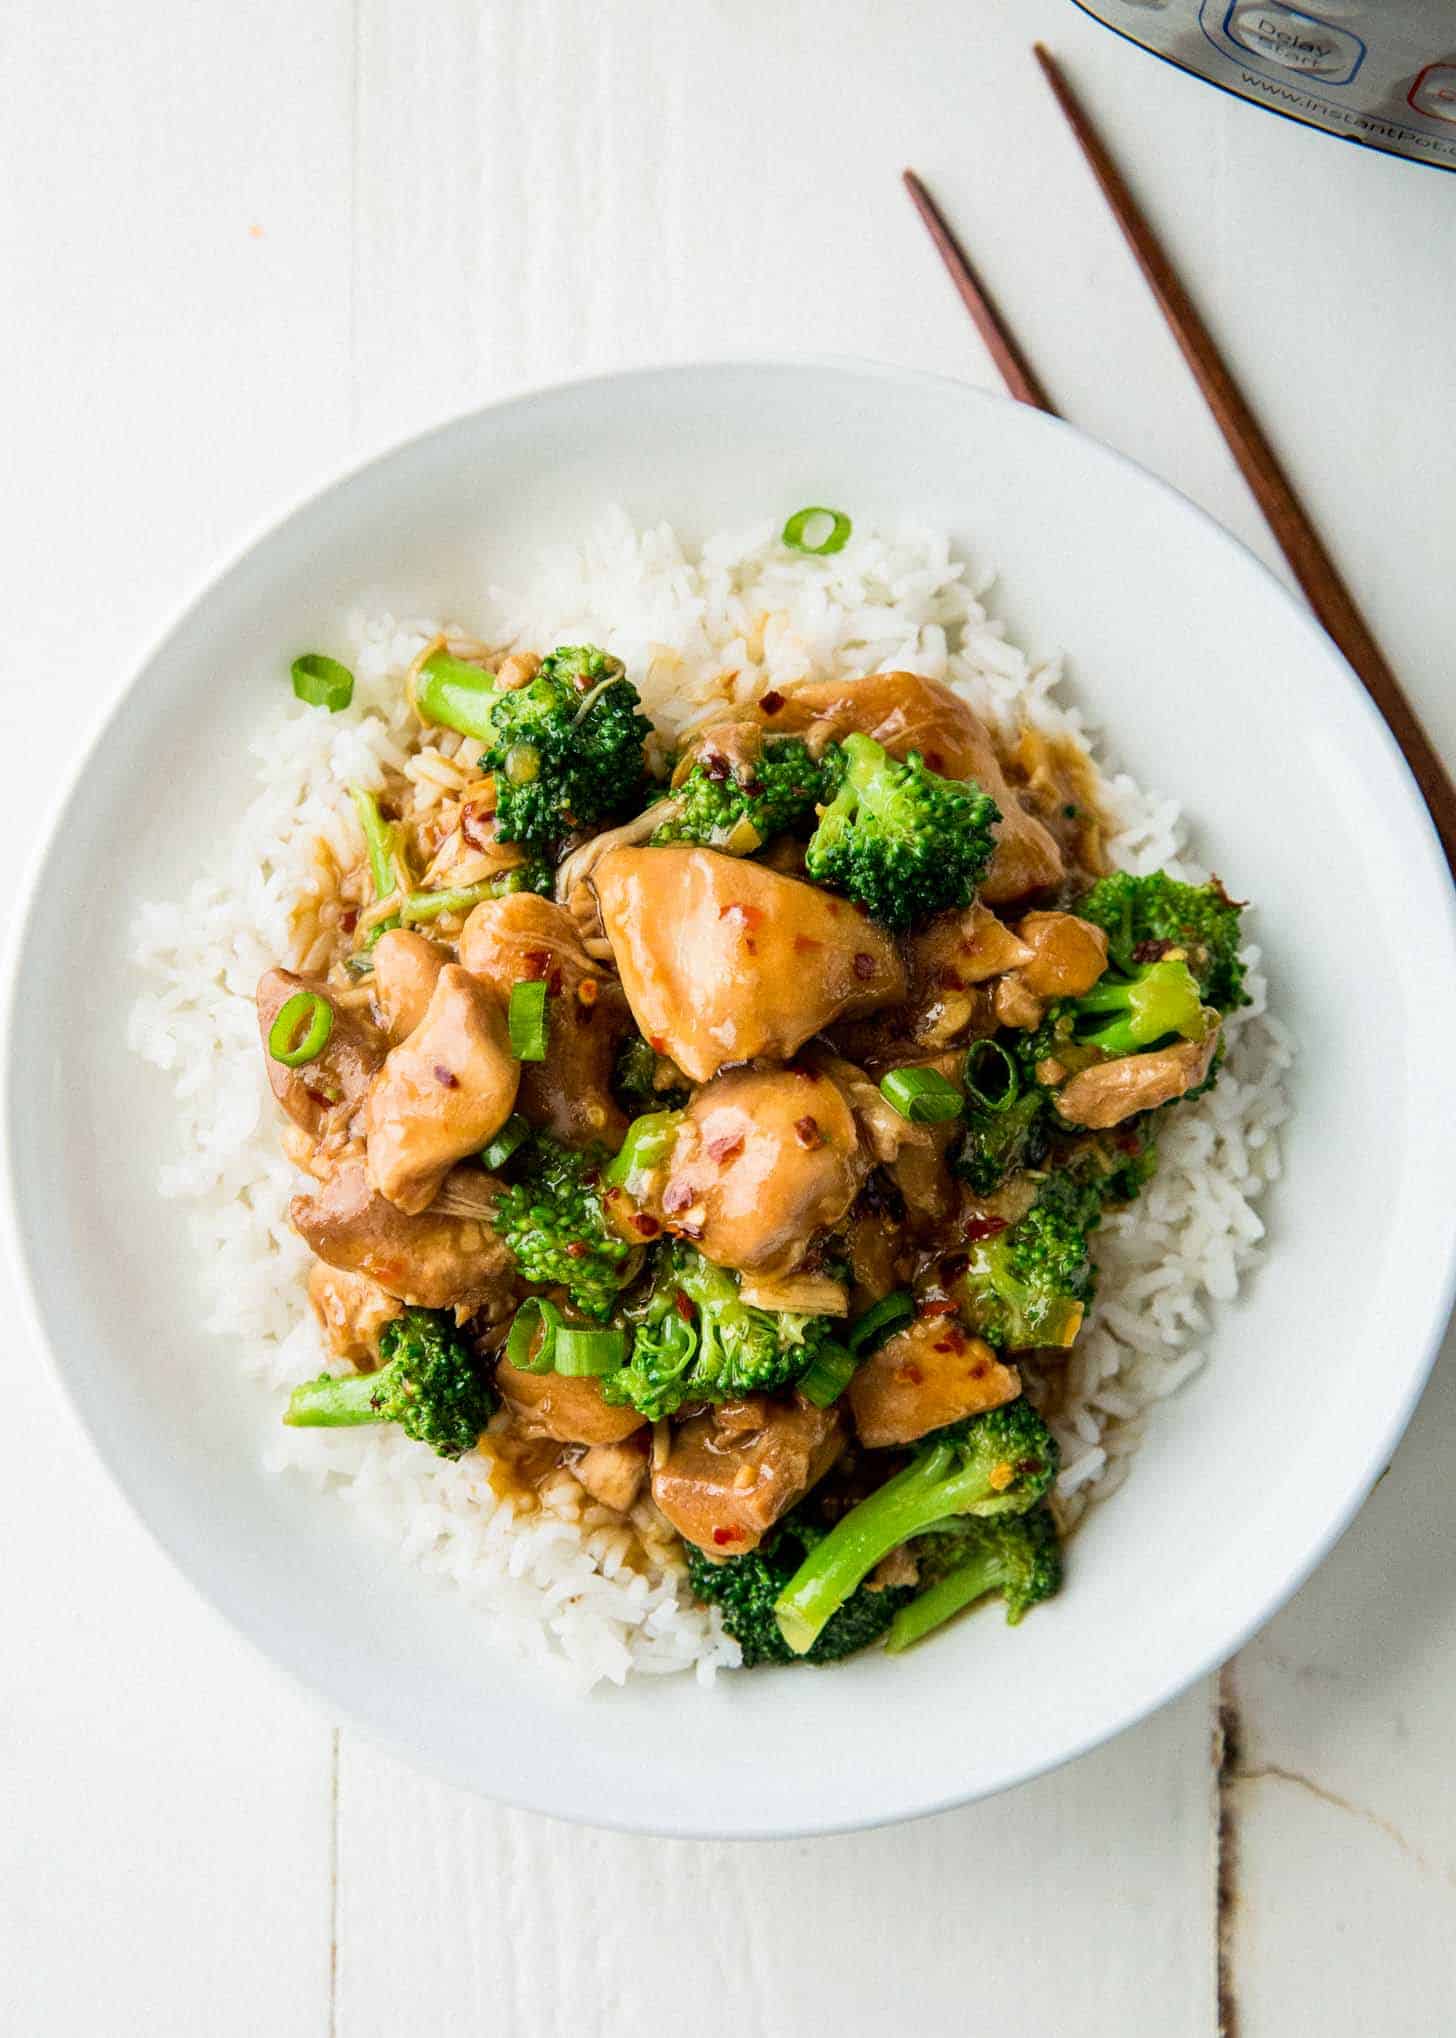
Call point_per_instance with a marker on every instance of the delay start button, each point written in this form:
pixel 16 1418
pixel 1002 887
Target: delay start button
pixel 1295 41
pixel 1434 92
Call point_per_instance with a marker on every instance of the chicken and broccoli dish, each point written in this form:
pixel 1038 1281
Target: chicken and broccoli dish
pixel 731 1123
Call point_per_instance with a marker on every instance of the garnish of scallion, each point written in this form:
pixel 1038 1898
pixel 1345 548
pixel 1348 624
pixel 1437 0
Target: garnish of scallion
pixel 301 1031
pixel 992 1078
pixel 511 1135
pixel 871 1329
pixel 924 1096
pixel 534 1314
pixel 321 682
pixel 526 1021
pixel 581 1354
pixel 828 1376
pixel 817 531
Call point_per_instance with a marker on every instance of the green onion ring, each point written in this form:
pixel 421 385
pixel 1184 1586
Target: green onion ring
pixel 511 1135
pixel 526 1021
pixel 799 522
pixel 924 1096
pixel 871 1329
pixel 582 1354
pixel 993 1099
pixel 827 1378
pixel 322 682
pixel 533 1311
pixel 301 1031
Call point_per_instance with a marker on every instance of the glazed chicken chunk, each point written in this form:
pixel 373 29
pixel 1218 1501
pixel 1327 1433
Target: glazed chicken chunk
pixel 432 1261
pixel 737 1469
pixel 442 1092
pixel 928 1374
pixel 723 960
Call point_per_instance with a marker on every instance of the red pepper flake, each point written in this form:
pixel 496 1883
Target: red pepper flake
pixel 804 944
pixel 727 1148
pixel 864 965
pixel 912 1374
pixel 676 1196
pixel 683 1305
pixel 446 1077
pixel 348 920
pixel 953 1341
pixel 1029 1466
pixel 936 761
pixel 536 962
pixel 771 702
pixel 727 1535
pixel 576 1250
pixel 984 1227
pixel 1151 951
pixel 980 1369
pixel 941 1306
pixel 806 1131
pixel 741 915
pixel 588 991
pixel 478 827
pixel 645 1226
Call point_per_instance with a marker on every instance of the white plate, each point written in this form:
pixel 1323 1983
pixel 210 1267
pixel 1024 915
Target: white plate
pixel 1216 687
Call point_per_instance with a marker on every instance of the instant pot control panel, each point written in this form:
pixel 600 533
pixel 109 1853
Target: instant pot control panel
pixel 1378 72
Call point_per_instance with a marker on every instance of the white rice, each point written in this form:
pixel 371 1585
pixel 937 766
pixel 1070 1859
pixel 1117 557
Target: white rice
pixel 570 1583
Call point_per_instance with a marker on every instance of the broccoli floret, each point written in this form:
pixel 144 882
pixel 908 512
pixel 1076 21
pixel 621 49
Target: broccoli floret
pixel 565 750
pixel 1018 1556
pixel 427 1382
pixel 1000 1463
pixel 746 1589
pixel 1029 1283
pixel 996 1144
pixel 903 842
pixel 644 1080
pixel 697 1340
pixel 1156 918
pixel 718 807
pixel 551 1217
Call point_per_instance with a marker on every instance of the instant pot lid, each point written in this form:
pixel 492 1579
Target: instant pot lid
pixel 1381 73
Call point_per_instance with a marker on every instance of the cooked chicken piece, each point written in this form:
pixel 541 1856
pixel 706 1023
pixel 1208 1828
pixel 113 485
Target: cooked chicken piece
pixel 433 1261
pixel 733 1472
pixel 905 712
pixel 1065 956
pixel 614 1474
pixel 928 1374
pixel 723 960
pixel 871 1241
pixel 442 1093
pixel 526 939
pixel 557 1405
pixel 352 1311
pixel 765 1159
pixel 1055 778
pixel 574 892
pixel 407 967
pixel 325 1095
pixel 1113 1090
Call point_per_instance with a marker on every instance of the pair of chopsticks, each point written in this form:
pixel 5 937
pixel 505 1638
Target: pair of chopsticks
pixel 1310 563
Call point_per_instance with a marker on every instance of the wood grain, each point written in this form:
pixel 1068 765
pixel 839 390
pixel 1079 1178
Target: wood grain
pixel 1309 561
pixel 1015 370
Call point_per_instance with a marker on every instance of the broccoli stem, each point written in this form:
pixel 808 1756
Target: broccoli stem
pixel 940 1602
pixel 335 1403
pixel 1161 999
pixel 934 1485
pixel 456 695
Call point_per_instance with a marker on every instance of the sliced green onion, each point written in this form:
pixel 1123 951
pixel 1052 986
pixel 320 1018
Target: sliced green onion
pixel 420 906
pixel 869 1331
pixel 534 1313
pixel 510 1136
pixel 588 1354
pixel 459 696
pixel 827 1378
pixel 991 1076
pixel 322 682
pixel 924 1096
pixel 796 532
pixel 526 1021
pixel 301 1031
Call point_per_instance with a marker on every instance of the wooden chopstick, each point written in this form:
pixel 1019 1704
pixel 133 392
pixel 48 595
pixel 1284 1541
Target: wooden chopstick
pixel 1309 562
pixel 1016 371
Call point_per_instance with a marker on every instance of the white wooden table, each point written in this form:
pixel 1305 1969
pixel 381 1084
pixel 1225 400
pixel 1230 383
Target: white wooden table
pixel 244 242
